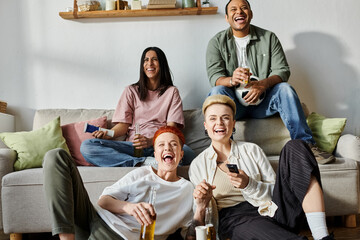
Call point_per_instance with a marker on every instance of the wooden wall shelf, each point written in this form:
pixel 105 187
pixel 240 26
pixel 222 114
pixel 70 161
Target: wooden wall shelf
pixel 140 13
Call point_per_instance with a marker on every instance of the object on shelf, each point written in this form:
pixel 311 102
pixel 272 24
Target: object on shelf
pixel 205 3
pixel 139 13
pixel 135 5
pixel 87 5
pixel 110 5
pixel 159 4
pixel 188 3
pixel 3 106
pixel 122 5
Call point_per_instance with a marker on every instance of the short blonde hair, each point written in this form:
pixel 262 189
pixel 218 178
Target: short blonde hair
pixel 219 99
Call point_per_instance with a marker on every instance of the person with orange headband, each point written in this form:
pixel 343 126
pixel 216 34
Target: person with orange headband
pixel 122 207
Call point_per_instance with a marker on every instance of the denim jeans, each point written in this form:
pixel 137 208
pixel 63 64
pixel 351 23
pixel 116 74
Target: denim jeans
pixel 282 99
pixel 109 153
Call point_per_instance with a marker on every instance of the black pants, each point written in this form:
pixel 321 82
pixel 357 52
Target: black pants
pixel 296 166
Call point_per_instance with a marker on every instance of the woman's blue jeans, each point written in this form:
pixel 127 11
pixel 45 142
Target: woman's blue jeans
pixel 109 153
pixel 282 99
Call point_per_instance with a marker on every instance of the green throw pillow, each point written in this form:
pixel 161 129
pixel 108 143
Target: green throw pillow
pixel 32 146
pixel 326 131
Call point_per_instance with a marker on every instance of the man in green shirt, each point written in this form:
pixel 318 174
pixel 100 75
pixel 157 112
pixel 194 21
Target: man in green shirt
pixel 260 51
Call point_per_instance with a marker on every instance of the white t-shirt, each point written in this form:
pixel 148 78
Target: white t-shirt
pixel 241 43
pixel 173 204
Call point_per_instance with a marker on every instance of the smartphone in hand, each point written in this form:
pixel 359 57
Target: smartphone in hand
pixel 232 168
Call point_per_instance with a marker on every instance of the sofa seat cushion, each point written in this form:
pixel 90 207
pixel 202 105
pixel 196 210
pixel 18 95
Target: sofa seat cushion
pixel 34 176
pixel 24 206
pixel 23 201
pixel 89 175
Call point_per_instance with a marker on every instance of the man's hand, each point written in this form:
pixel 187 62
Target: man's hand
pixel 203 194
pixel 257 88
pixel 239 180
pixel 140 142
pixel 141 211
pixel 240 76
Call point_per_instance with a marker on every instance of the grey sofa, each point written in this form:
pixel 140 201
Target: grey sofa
pixel 23 205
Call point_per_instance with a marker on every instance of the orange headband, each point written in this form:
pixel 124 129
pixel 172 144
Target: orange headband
pixel 170 129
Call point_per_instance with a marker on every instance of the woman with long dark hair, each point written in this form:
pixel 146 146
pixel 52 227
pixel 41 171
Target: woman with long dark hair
pixel 150 103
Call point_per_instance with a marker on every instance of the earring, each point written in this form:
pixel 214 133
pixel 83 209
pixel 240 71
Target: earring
pixel 206 132
pixel 234 130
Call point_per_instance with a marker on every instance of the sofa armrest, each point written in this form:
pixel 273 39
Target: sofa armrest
pixel 348 146
pixel 7 159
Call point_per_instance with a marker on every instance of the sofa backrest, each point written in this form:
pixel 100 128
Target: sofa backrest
pixel 270 133
pixel 43 116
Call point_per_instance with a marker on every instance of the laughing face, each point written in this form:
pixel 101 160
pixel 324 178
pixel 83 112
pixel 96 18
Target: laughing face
pixel 168 151
pixel 239 17
pixel 219 122
pixel 151 65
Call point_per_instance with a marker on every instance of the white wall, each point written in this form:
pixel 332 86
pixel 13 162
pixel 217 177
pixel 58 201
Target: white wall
pixel 49 62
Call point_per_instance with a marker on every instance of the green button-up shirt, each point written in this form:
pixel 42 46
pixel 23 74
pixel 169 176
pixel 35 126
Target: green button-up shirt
pixel 266 56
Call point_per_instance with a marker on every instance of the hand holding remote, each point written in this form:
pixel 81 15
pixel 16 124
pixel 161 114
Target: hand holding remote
pixel 91 128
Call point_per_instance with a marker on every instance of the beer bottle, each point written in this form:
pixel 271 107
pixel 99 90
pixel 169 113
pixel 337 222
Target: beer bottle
pixel 147 232
pixel 138 152
pixel 244 62
pixel 211 233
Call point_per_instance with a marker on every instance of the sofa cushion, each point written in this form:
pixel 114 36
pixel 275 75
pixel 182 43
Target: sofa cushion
pixel 271 140
pixel 32 146
pixel 326 131
pixel 75 135
pixel 269 133
pixel 194 131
